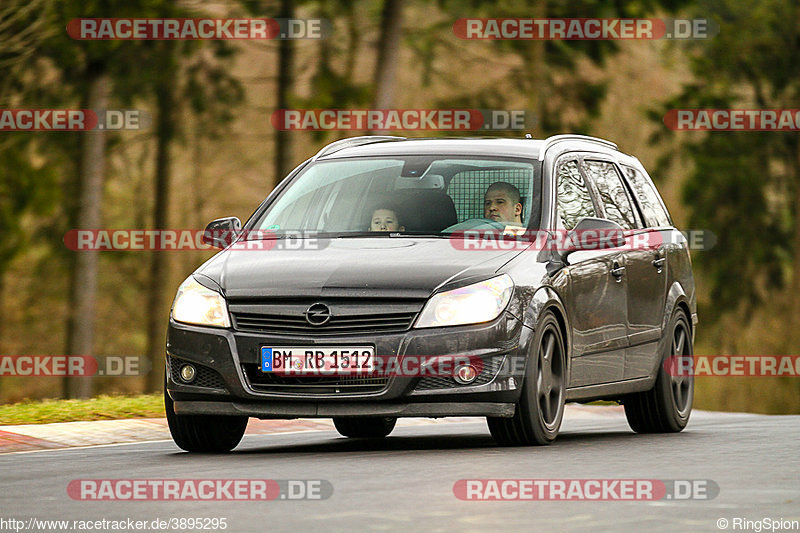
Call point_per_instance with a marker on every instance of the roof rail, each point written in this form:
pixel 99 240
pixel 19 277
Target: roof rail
pixel 572 137
pixel 355 141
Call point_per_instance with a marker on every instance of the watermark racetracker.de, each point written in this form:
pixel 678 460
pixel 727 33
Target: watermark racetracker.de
pixel 42 365
pixel 149 240
pixel 733 119
pixel 402 119
pixel 584 29
pixel 584 489
pixel 733 365
pixel 513 238
pixel 34 119
pixel 172 29
pixel 128 490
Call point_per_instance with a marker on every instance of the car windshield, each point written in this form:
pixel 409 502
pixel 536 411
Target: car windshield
pixel 432 195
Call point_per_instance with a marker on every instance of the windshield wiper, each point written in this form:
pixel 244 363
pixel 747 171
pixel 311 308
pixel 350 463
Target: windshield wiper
pixel 259 234
pixel 354 234
pixel 253 235
pixel 437 234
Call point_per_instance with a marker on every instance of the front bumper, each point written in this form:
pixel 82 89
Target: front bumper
pixel 226 382
pixel 349 409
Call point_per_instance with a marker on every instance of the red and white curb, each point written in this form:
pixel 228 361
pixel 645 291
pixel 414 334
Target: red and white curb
pixel 32 437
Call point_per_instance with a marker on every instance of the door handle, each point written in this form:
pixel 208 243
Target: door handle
pixel 617 271
pixel 659 263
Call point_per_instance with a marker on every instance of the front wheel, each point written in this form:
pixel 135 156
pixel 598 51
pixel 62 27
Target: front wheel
pixel 370 427
pixel 666 407
pixel 204 433
pixel 540 410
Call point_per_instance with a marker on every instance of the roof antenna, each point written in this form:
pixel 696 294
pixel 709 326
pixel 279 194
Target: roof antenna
pixel 528 136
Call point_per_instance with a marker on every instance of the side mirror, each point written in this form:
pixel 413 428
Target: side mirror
pixel 220 233
pixel 593 234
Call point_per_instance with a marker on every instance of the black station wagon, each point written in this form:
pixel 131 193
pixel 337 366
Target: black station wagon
pixel 388 277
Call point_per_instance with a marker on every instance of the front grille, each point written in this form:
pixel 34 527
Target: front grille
pixel 271 382
pixel 206 377
pixel 348 317
pixel 489 371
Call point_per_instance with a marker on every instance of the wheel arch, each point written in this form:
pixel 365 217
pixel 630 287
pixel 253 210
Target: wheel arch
pixel 546 299
pixel 676 298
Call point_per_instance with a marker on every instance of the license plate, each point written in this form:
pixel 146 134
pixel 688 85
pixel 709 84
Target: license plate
pixel 318 360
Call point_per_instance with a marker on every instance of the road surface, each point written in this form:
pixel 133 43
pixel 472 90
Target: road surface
pixel 405 482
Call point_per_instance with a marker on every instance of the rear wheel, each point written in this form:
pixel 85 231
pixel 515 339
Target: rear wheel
pixel 666 407
pixel 540 410
pixel 204 433
pixel 371 427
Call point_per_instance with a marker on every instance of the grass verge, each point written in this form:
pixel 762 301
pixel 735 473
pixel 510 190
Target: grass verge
pixel 100 408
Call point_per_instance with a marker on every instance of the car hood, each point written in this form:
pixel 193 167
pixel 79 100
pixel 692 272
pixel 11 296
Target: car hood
pixel 389 267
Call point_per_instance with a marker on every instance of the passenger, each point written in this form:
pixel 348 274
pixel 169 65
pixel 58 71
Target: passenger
pixel 503 203
pixel 384 218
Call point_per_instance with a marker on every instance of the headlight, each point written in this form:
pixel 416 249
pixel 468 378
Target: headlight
pixel 195 304
pixel 479 302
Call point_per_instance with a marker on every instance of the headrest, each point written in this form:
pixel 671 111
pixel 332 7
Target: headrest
pixel 426 209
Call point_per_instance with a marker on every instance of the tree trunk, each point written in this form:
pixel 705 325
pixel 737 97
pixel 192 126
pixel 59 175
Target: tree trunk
pixel 158 293
pixel 83 282
pixel 794 319
pixel 2 343
pixel 2 306
pixel 536 68
pixel 283 147
pixel 354 41
pixel 388 53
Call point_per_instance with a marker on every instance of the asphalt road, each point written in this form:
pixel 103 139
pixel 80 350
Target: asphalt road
pixel 405 483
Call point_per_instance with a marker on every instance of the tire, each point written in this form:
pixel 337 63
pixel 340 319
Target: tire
pixel 204 433
pixel 667 406
pixel 540 409
pixel 371 427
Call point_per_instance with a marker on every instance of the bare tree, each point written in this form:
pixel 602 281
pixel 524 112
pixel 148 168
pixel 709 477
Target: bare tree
pixel 534 56
pixel 193 79
pixel 283 147
pixel 159 267
pixel 23 25
pixel 83 284
pixel 388 53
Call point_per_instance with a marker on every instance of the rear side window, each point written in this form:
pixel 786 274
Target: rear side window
pixel 652 208
pixel 574 200
pixel 611 192
pixel 468 187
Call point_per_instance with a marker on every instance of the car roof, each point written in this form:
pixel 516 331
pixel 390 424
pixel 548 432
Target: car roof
pixel 467 146
pixel 528 148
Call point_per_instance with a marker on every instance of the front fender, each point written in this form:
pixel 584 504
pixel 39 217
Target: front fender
pixel 543 299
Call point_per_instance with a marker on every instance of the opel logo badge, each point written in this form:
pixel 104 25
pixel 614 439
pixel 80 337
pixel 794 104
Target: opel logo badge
pixel 318 314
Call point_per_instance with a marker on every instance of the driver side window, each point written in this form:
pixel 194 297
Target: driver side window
pixel 573 199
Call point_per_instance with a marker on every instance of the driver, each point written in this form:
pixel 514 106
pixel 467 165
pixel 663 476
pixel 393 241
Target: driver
pixel 503 203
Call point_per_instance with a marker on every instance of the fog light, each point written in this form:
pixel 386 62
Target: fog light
pixel 188 373
pixel 465 374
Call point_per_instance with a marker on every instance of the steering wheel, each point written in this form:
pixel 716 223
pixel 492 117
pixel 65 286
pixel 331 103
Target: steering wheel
pixel 475 223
